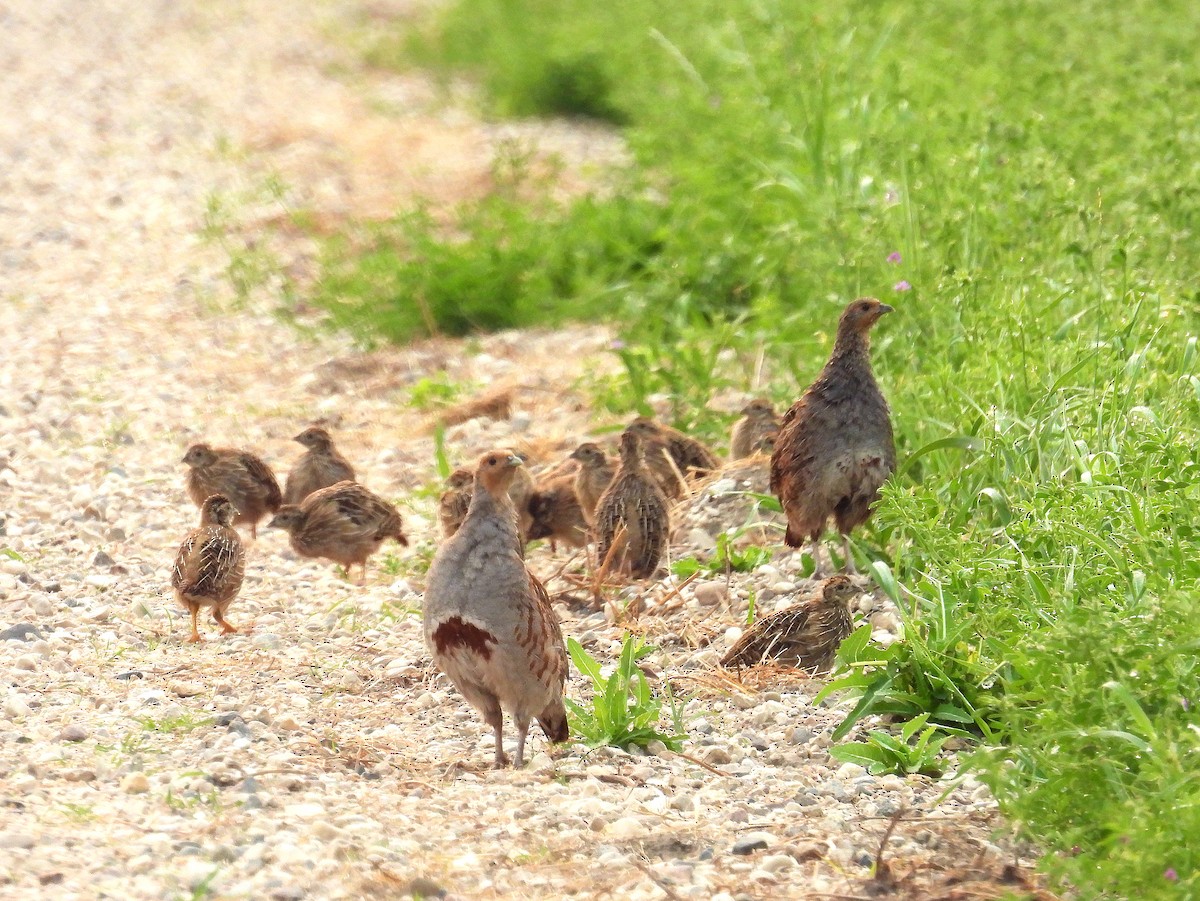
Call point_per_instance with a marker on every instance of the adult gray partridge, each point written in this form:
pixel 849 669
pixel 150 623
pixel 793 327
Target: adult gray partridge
pixel 556 513
pixel 241 477
pixel 488 621
pixel 635 507
pixel 344 523
pixel 319 467
pixel 758 426
pixel 210 564
pixel 835 447
pixel 805 635
pixel 595 474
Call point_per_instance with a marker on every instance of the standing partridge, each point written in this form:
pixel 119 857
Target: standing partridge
pixel 835 448
pixel 556 513
pixel 633 506
pixel 488 621
pixel 319 467
pixel 210 564
pixel 243 478
pixel 453 504
pixel 758 426
pixel 595 474
pixel 344 523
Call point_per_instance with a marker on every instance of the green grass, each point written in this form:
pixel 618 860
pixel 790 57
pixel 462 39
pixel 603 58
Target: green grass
pixel 1021 179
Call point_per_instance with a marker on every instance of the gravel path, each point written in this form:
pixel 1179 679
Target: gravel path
pixel 319 755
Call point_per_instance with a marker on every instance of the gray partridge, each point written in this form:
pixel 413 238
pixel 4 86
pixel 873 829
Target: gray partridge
pixel 210 564
pixel 488 621
pixel 556 513
pixel 595 474
pixel 344 523
pixel 453 504
pixel 634 506
pixel 835 447
pixel 319 467
pixel 758 427
pixel 243 478
pixel 805 636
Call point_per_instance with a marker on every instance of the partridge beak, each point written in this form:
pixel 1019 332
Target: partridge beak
pixel 514 460
pixel 884 308
pixel 184 460
pixel 297 437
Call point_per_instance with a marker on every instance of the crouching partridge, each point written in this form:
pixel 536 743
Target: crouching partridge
pixel 488 621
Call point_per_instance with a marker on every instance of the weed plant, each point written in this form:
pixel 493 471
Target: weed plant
pixel 1021 179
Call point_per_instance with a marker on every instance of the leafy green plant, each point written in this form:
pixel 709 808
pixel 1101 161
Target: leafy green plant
pixel 623 710
pixel 725 559
pixel 916 750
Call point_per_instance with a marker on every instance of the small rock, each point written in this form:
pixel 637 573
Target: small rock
pixel 422 887
pixel 803 851
pixel 20 632
pixel 186 689
pixel 753 841
pixel 287 893
pixel 135 784
pixel 73 732
pixel 773 863
pixel 710 594
pixel 17 840
pixel 102 559
pixel 132 674
pixel 715 755
pixel 287 723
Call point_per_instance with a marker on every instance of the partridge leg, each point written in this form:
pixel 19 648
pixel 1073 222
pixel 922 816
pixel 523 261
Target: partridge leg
pixel 254 530
pixel 522 731
pixel 195 636
pixel 495 719
pixel 815 550
pixel 226 626
pixel 850 567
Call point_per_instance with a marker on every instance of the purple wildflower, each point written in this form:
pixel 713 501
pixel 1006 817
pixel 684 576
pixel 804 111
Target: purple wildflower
pixel 1170 875
pixel 902 285
pixel 1184 703
pixel 616 345
pixel 894 257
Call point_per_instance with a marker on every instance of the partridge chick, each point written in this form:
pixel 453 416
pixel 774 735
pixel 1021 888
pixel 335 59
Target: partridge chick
pixel 556 514
pixel 759 425
pixel 453 504
pixel 488 621
pixel 595 474
pixel 452 507
pixel 633 504
pixel 835 447
pixel 805 636
pixel 344 523
pixel 210 564
pixel 688 455
pixel 243 478
pixel 319 467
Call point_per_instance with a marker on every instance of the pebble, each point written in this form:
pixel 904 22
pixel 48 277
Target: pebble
pixel 20 632
pixel 751 842
pixel 135 784
pixel 17 840
pixel 73 732
pixel 710 594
